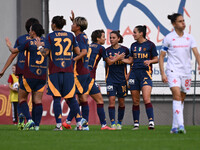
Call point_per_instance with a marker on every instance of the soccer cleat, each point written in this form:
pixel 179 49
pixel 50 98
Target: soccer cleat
pixel 21 122
pixel 67 126
pixel 84 122
pixel 29 125
pixel 181 130
pixel 85 128
pixel 119 127
pixel 151 125
pixel 113 126
pixel 107 128
pixel 174 131
pixel 136 126
pixel 58 128
pixel 37 128
pixel 78 128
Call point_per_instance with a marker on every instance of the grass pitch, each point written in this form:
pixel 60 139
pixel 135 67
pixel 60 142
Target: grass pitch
pixel 95 139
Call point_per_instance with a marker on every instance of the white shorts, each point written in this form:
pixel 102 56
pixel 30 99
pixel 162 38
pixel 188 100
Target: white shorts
pixel 174 79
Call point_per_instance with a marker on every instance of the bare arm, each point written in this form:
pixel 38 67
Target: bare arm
pixel 81 55
pixel 154 60
pixel 197 56
pixel 44 51
pixel 9 45
pixel 128 60
pixel 116 58
pixel 8 62
pixel 161 66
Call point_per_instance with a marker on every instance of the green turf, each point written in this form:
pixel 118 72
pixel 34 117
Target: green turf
pixel 95 139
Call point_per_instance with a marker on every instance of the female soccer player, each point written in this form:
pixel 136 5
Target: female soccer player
pixel 143 55
pixel 115 78
pixel 34 76
pixel 59 45
pixel 20 66
pixel 178 46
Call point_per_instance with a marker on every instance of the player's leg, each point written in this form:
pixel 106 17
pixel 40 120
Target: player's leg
pixel 135 94
pixel 37 99
pixel 25 109
pixel 146 94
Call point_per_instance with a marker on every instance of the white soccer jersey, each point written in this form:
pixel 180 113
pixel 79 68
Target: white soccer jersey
pixel 179 52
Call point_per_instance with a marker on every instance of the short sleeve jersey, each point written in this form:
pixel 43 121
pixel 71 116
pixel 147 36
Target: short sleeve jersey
pixel 81 66
pixel 179 51
pixel 141 52
pixel 97 52
pixel 21 55
pixel 116 72
pixel 60 44
pixel 35 63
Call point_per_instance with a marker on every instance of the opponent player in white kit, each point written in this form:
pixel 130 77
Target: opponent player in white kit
pixel 178 46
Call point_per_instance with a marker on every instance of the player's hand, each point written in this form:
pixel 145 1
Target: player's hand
pixel 147 62
pixel 199 69
pixel 8 43
pixel 120 56
pixel 72 17
pixel 164 78
pixel 1 74
pixel 38 42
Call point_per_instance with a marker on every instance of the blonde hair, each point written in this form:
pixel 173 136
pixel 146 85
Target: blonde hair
pixel 81 22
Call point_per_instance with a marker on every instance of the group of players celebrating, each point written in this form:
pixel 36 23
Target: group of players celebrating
pixel 71 70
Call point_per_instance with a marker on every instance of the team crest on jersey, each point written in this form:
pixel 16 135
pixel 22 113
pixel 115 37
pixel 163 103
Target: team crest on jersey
pixel 63 64
pixel 187 38
pixel 144 49
pixel 39 71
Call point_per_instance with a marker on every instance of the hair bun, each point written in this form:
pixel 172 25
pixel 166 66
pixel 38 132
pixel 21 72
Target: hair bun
pixel 169 17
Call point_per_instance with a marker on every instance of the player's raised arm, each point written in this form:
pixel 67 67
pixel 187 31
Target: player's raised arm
pixel 9 45
pixel 73 16
pixel 7 64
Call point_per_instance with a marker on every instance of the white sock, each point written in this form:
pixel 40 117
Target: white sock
pixel 58 125
pixel 174 121
pixel 178 112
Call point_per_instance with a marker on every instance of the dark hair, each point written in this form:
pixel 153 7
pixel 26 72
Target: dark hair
pixel 142 29
pixel 59 21
pixel 14 65
pixel 38 29
pixel 96 34
pixel 173 17
pixel 30 22
pixel 118 35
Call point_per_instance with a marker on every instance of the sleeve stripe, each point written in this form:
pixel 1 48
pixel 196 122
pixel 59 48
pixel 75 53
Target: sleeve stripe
pixel 164 48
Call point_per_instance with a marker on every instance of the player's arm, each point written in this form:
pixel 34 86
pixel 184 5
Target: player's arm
pixel 8 62
pixel 154 60
pixel 81 55
pixel 197 56
pixel 161 66
pixel 9 45
pixel 73 16
pixel 77 50
pixel 116 58
pixel 39 44
pixel 128 60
